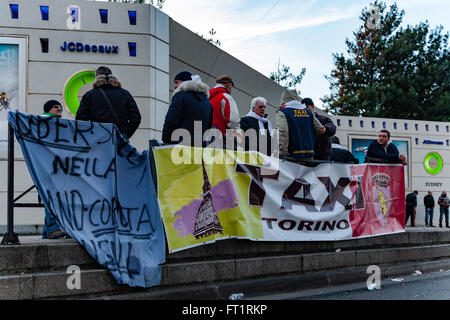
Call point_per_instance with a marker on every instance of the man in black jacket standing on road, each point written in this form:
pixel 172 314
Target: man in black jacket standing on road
pixel 428 202
pixel 322 144
pixel 411 204
pixel 108 102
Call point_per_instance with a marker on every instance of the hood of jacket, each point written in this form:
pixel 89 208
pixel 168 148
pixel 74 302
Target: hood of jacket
pixel 294 104
pixel 112 81
pixel 193 86
pixel 217 90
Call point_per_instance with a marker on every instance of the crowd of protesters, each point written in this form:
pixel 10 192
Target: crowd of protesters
pixel 303 135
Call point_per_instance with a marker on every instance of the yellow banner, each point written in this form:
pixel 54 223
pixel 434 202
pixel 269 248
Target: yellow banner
pixel 202 198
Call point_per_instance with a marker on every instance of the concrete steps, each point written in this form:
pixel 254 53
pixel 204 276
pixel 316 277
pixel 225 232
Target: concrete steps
pixel 38 269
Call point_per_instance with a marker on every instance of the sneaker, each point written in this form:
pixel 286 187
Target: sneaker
pixel 432 226
pixel 57 234
pixel 440 226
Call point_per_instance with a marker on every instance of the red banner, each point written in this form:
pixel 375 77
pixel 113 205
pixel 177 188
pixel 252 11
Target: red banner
pixel 381 207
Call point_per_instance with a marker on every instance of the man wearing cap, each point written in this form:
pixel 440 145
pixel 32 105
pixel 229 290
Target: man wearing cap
pixel 225 110
pixel 108 102
pixel 322 144
pixel 297 127
pixel 51 230
pixel 189 104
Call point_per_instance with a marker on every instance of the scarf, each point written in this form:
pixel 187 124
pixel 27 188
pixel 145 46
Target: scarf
pixel 261 122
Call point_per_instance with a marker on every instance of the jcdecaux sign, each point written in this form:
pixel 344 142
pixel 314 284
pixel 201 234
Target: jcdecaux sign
pixel 81 47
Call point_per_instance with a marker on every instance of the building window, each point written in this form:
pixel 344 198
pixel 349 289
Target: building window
pixel 132 17
pixel 437 128
pixel 103 15
pixel 395 125
pixel 44 12
pixel 14 11
pixel 417 140
pixel 447 142
pixel 406 126
pixel 339 122
pixel 361 122
pixel 373 124
pixel 426 127
pixel 132 48
pixel 349 123
pixel 446 128
pixel 44 45
pixel 384 125
pixel 417 126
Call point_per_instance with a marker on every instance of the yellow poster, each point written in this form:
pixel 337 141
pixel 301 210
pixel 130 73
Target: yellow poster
pixel 203 198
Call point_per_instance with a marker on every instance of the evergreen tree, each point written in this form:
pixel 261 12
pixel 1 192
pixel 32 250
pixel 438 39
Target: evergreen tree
pixel 391 71
pixel 287 79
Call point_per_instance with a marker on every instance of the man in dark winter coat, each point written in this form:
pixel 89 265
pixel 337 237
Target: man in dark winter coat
pixel 411 204
pixel 322 143
pixel 428 202
pixel 382 150
pixel 341 154
pixel 189 104
pixel 262 128
pixel 95 107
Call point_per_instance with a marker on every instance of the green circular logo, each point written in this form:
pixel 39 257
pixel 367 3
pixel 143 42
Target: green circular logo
pixel 73 86
pixel 433 163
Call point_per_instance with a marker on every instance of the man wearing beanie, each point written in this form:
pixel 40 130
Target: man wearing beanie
pixel 189 104
pixel 52 108
pixel 108 102
pixel 322 144
pixel 52 230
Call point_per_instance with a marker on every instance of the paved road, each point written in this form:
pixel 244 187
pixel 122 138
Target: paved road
pixel 432 286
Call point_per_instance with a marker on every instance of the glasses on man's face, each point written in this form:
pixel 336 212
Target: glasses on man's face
pixel 261 107
pixel 57 107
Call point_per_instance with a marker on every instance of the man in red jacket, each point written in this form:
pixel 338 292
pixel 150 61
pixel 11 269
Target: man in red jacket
pixel 225 110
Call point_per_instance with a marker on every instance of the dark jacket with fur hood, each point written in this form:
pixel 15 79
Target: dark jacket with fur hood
pixel 189 103
pixel 93 106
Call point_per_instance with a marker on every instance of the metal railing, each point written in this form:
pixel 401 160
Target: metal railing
pixel 11 238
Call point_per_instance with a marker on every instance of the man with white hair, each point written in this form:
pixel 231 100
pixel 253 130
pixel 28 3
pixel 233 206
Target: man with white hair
pixel 256 126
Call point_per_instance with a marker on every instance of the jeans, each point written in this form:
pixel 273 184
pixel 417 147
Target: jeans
pixel 429 213
pixel 443 211
pixel 50 225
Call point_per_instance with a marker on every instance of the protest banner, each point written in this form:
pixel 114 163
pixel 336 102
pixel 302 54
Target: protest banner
pixel 99 189
pixel 213 198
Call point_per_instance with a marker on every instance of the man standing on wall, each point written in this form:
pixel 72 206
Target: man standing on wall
pixel 411 204
pixel 257 120
pixel 108 102
pixel 297 127
pixel 189 104
pixel 382 150
pixel 52 230
pixel 225 110
pixel 428 202
pixel 322 144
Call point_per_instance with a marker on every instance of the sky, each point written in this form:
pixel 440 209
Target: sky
pixel 298 33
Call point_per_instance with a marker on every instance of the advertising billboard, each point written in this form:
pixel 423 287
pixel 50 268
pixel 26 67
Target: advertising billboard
pixel 12 82
pixel 359 149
